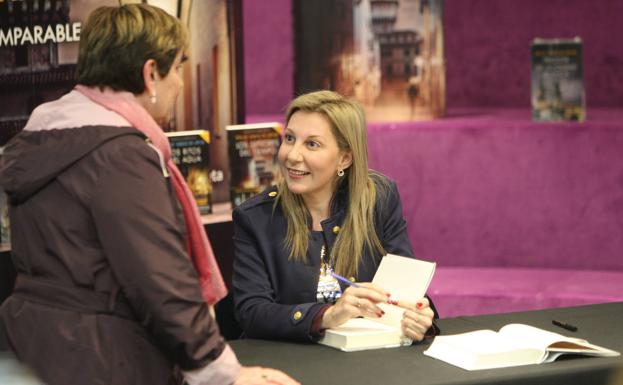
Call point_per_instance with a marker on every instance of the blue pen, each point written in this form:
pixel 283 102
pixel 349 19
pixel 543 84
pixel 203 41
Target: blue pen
pixel 344 280
pixel 354 284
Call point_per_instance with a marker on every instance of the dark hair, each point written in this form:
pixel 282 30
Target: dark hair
pixel 117 41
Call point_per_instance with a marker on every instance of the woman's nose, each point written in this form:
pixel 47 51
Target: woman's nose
pixel 294 155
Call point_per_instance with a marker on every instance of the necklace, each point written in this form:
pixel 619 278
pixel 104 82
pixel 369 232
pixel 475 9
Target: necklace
pixel 328 288
pixel 325 268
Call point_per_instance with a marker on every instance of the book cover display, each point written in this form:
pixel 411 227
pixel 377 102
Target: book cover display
pixel 213 96
pixel 557 80
pixel 38 54
pixel 39 49
pixel 388 55
pixel 252 158
pixel 190 150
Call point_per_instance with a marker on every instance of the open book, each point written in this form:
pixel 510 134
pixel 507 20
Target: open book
pixel 513 345
pixel 407 279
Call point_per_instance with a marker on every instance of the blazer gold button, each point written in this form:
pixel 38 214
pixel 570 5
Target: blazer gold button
pixel 297 315
pixel 336 229
pixel 272 194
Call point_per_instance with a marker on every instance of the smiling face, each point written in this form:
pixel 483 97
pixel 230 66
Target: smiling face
pixel 310 157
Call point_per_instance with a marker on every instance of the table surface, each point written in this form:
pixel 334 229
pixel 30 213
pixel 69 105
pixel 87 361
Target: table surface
pixel 317 364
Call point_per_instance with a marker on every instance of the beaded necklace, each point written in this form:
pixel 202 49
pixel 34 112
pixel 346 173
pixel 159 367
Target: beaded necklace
pixel 329 289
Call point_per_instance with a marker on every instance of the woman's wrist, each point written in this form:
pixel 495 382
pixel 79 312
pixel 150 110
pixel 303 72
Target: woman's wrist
pixel 327 319
pixel 317 329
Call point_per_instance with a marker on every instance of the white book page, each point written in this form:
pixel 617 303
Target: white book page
pixel 478 342
pixel 555 344
pixel 526 335
pixel 482 349
pixel 406 279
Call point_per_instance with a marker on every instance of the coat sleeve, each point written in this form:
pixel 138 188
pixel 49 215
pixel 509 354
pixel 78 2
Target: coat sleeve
pixel 140 228
pixel 257 308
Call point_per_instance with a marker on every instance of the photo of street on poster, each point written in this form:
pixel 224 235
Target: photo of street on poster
pixel 388 55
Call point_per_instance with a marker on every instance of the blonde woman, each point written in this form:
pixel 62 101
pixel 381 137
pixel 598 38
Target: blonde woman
pixel 329 213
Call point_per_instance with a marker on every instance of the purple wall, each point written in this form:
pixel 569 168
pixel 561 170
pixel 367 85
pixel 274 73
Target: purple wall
pixel 268 56
pixel 487 46
pixel 487 50
pixel 495 189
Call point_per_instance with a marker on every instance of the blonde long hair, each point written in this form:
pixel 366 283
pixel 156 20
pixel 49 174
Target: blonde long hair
pixel 358 233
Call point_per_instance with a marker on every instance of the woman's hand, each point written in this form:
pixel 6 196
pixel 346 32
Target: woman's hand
pixel 355 302
pixel 417 319
pixel 257 375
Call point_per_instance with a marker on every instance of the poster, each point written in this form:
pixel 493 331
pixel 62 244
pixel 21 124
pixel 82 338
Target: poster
pixel 388 55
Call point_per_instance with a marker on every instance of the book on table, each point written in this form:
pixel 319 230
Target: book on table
pixel 513 345
pixel 407 279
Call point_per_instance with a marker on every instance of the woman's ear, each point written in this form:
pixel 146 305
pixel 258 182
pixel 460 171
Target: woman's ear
pixel 347 160
pixel 149 76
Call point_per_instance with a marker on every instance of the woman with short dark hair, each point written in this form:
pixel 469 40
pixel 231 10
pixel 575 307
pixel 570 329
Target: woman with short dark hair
pixel 104 228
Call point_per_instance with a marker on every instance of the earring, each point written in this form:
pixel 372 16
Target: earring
pixel 340 172
pixel 152 98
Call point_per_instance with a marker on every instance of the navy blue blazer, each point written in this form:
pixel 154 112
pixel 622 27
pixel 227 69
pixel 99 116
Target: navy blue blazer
pixel 274 297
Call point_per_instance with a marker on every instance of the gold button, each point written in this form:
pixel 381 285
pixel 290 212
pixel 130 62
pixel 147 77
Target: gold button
pixel 352 279
pixel 336 229
pixel 297 316
pixel 272 194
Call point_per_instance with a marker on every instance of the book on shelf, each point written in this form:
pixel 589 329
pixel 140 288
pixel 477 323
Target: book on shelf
pixel 190 151
pixel 252 158
pixel 407 279
pixel 513 345
pixel 557 80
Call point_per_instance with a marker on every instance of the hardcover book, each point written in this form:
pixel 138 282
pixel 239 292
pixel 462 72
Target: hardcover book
pixel 513 345
pixel 190 151
pixel 252 158
pixel 557 80
pixel 407 279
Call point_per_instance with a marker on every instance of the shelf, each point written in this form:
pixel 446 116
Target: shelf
pixel 221 212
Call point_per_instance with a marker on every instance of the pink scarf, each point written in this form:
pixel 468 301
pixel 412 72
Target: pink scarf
pixel 197 244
